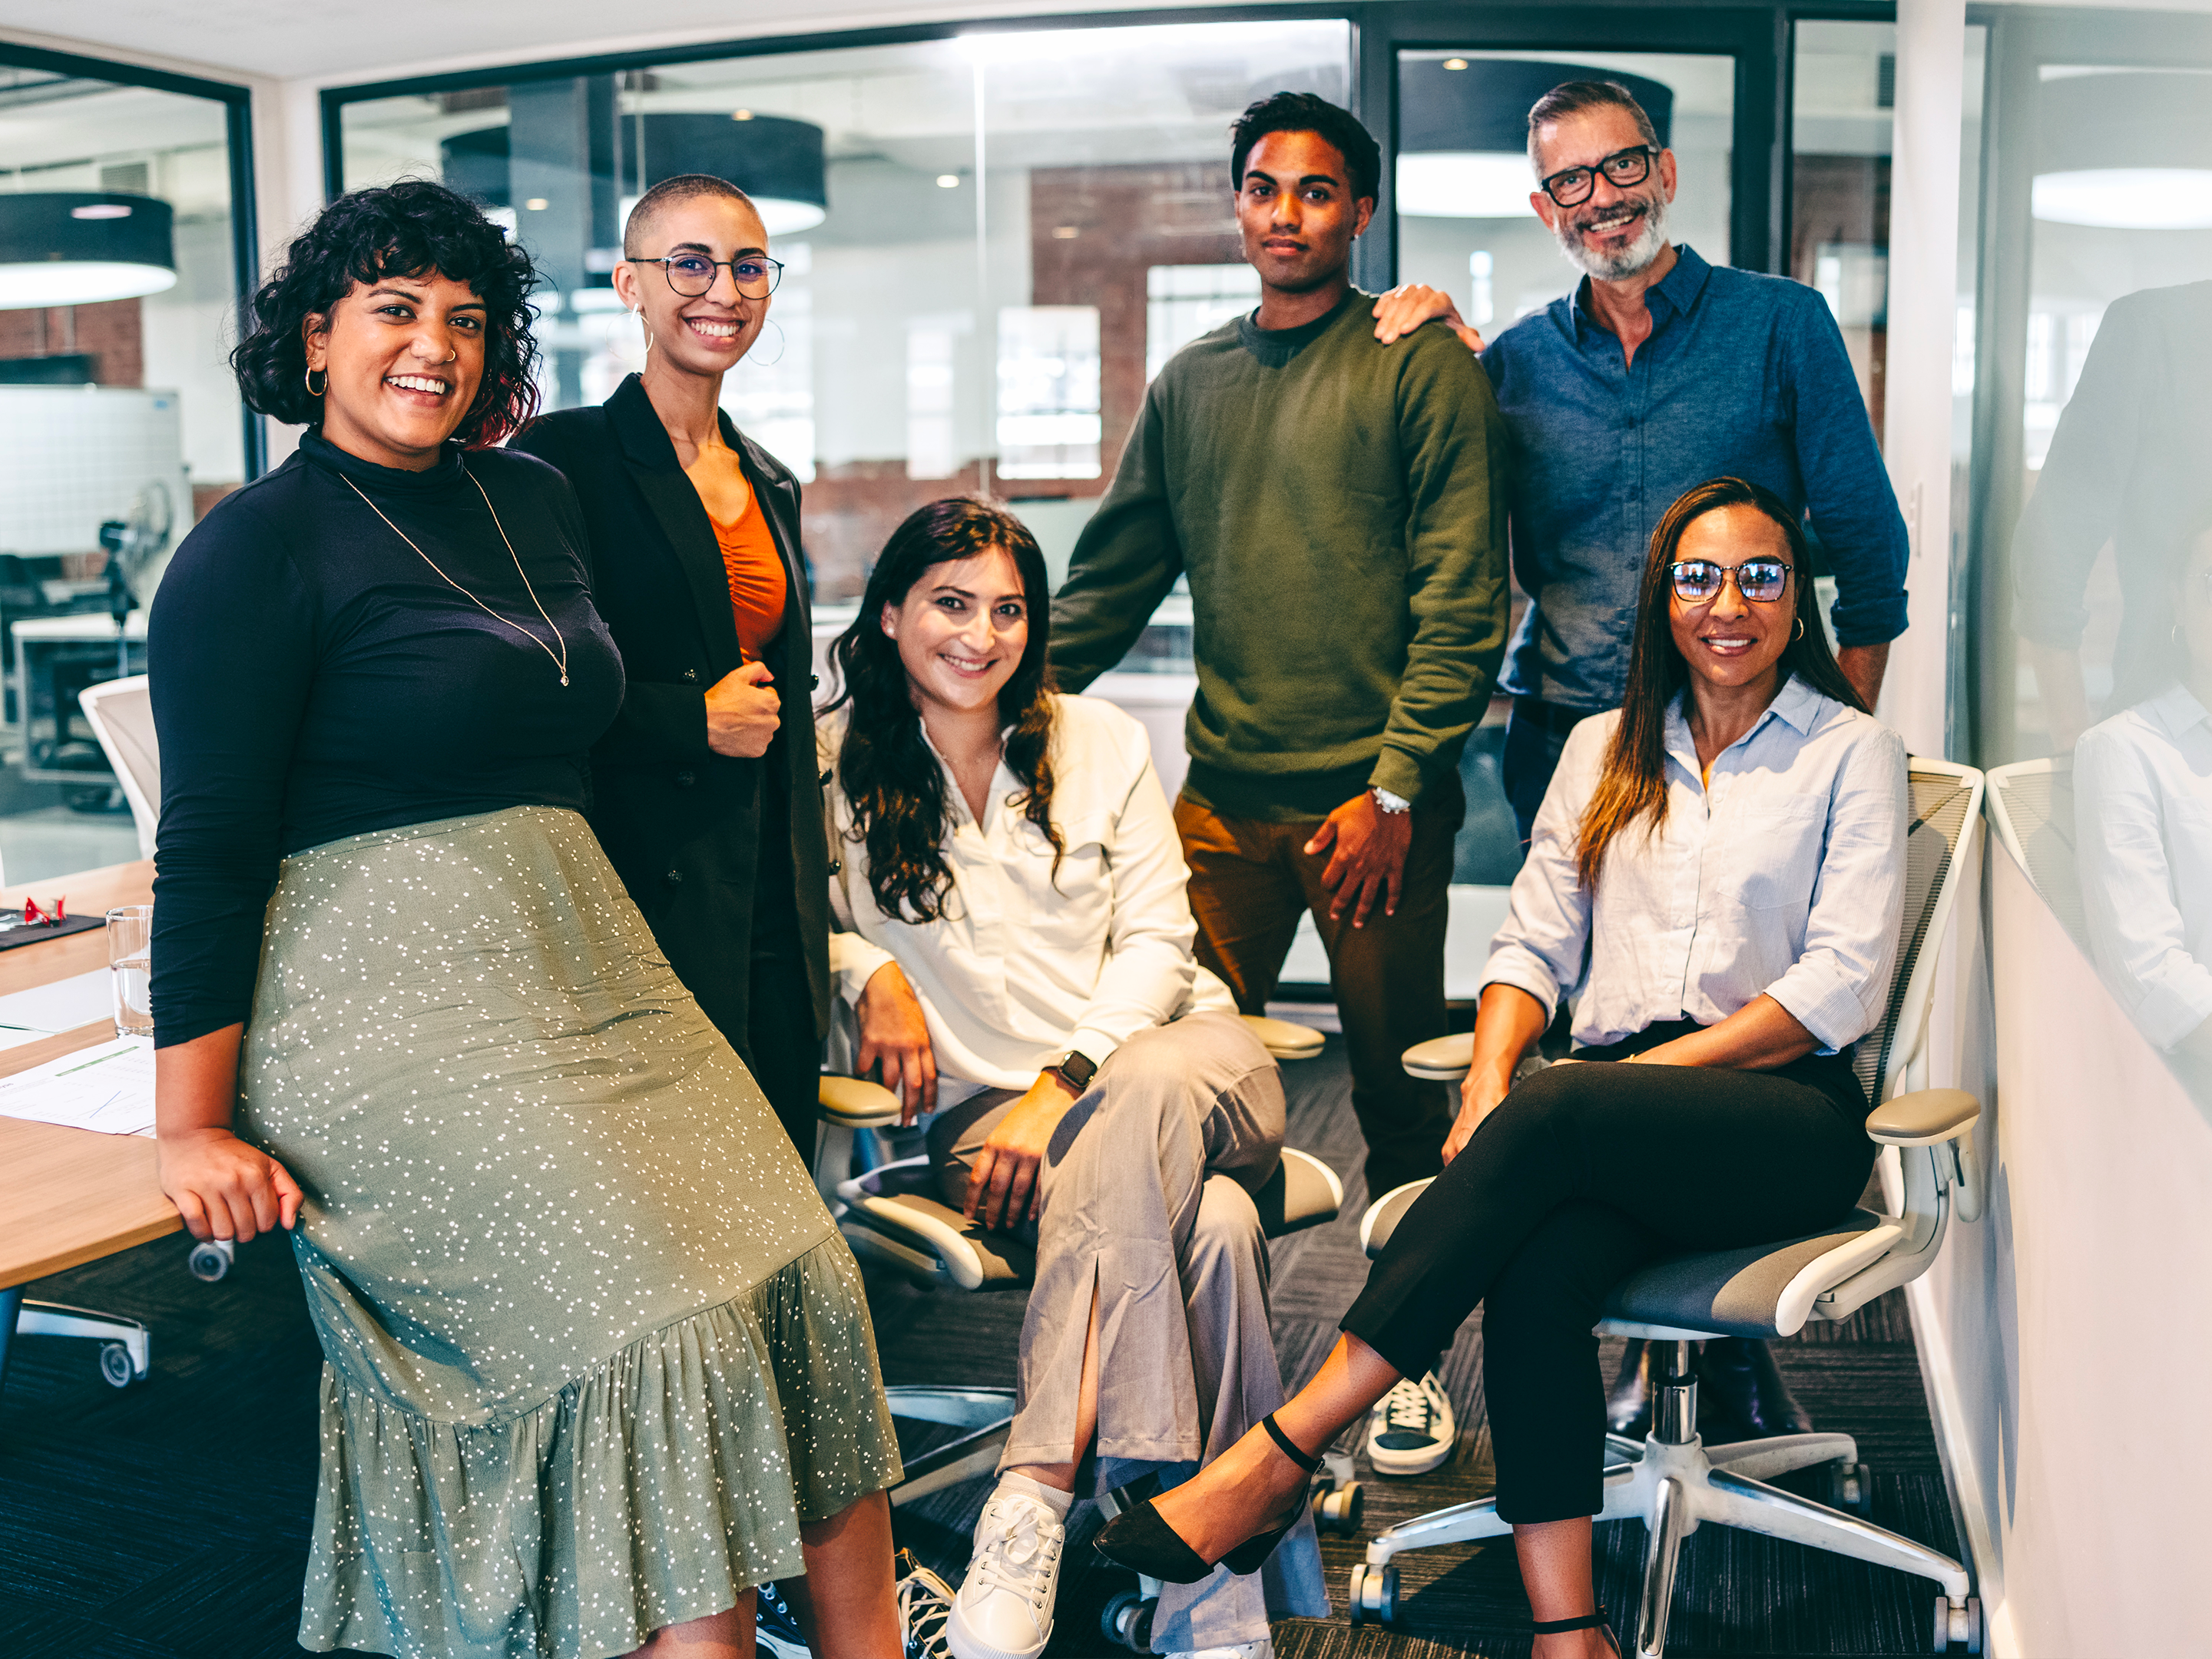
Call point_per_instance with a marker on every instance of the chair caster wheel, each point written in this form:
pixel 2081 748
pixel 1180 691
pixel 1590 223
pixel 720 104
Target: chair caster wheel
pixel 1957 1627
pixel 115 1364
pixel 1851 1488
pixel 1126 1621
pixel 1338 1509
pixel 211 1258
pixel 1373 1592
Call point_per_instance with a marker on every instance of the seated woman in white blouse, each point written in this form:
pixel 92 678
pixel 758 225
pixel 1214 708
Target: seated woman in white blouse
pixel 1718 872
pixel 1017 943
pixel 2142 819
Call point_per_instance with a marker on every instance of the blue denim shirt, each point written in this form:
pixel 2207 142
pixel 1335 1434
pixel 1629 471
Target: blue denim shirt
pixel 1742 374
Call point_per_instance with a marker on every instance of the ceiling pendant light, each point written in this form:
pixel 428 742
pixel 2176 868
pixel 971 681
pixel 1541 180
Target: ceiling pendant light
pixel 81 247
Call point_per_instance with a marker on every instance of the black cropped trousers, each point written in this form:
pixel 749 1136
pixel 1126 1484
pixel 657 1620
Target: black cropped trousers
pixel 1585 1173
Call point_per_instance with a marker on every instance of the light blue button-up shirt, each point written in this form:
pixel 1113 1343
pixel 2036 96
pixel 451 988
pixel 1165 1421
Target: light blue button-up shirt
pixel 1743 375
pixel 1784 875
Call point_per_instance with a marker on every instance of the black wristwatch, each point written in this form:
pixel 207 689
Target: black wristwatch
pixel 1075 1069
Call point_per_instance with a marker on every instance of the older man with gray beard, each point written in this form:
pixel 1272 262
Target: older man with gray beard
pixel 1659 371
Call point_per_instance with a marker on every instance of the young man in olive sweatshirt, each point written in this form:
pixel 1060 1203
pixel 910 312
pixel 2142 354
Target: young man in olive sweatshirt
pixel 1339 506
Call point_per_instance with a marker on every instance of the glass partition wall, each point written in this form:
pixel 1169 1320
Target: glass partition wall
pixel 120 275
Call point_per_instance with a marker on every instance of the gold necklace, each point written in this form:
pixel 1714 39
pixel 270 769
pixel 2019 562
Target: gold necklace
pixel 560 662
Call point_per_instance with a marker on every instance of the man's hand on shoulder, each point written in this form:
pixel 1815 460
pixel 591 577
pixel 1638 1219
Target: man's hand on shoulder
pixel 1368 859
pixel 1411 305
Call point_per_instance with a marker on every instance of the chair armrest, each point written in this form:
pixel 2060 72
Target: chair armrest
pixel 1282 1039
pixel 1441 1060
pixel 856 1103
pixel 1923 1118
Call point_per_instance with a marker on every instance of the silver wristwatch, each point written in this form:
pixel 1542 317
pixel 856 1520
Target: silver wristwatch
pixel 1389 803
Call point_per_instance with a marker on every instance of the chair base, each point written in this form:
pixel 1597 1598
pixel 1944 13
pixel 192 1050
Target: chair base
pixel 1674 1483
pixel 986 1414
pixel 125 1346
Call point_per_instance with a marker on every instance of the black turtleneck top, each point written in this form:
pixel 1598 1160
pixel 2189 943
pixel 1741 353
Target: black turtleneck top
pixel 313 677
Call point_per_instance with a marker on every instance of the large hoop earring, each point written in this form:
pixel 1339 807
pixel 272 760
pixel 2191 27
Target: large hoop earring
pixel 644 327
pixel 1800 634
pixel 314 391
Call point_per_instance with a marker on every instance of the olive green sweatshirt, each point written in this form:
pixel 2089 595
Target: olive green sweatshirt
pixel 1339 506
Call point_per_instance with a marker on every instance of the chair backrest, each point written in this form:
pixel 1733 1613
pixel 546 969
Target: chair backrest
pixel 1946 811
pixel 2032 810
pixel 121 715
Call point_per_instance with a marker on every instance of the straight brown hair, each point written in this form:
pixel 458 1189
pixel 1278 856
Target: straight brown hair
pixel 1633 785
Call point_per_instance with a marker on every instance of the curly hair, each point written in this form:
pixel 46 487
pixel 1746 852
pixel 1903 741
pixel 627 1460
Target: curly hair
pixel 890 774
pixel 411 228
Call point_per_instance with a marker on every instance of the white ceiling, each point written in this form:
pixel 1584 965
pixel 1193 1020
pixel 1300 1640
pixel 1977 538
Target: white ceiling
pixel 358 40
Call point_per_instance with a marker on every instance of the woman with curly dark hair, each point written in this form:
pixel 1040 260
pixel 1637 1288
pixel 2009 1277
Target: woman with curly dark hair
pixel 1018 950
pixel 595 1349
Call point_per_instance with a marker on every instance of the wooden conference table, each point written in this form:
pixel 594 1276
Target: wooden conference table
pixel 68 1196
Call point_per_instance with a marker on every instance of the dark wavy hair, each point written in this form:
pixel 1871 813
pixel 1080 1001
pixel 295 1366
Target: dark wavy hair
pixel 1302 112
pixel 1633 784
pixel 411 228
pixel 886 767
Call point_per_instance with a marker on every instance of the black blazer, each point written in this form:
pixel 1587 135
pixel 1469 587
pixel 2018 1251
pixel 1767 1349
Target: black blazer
pixel 680 823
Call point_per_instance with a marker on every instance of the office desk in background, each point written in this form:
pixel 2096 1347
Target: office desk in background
pixel 68 1196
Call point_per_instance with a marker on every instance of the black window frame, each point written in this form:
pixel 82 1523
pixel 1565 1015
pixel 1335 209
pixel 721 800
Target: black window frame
pixel 238 133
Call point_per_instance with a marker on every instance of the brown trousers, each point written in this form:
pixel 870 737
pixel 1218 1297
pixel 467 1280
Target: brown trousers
pixel 1249 879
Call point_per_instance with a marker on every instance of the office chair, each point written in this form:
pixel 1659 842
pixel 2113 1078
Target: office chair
pixel 1672 1481
pixel 2032 810
pixel 891 1213
pixel 121 715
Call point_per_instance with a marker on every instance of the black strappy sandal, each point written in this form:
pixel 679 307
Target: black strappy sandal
pixel 1588 1621
pixel 1138 1539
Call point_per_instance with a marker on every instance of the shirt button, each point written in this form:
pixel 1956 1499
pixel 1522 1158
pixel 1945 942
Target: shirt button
pixel 685 780
pixel 674 879
pixel 691 674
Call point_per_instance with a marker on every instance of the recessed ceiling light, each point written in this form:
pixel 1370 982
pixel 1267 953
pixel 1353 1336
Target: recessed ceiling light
pixel 741 115
pixel 537 204
pixel 1065 232
pixel 948 181
pixel 1455 63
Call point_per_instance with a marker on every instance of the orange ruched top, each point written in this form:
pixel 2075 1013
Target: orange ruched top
pixel 757 589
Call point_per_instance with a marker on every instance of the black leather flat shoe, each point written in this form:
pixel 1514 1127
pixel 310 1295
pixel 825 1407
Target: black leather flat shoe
pixel 1588 1621
pixel 1742 1381
pixel 1628 1409
pixel 1138 1539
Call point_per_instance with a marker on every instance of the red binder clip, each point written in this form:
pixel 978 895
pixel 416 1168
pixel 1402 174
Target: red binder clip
pixel 35 917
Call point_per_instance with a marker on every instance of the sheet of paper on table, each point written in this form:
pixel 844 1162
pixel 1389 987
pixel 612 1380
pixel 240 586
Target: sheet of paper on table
pixel 109 1088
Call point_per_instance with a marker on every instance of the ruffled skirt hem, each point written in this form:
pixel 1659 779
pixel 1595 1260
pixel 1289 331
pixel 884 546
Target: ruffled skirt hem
pixel 659 1486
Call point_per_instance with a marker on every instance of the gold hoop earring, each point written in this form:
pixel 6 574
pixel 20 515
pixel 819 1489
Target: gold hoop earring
pixel 1800 634
pixel 314 391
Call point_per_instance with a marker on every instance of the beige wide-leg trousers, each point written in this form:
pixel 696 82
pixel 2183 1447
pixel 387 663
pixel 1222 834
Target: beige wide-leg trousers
pixel 1148 1200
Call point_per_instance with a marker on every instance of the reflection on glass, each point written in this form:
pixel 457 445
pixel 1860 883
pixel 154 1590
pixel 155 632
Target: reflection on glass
pixel 1842 121
pixel 986 241
pixel 118 417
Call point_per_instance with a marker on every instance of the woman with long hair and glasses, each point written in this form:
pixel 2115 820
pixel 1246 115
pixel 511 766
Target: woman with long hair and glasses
pixel 1719 865
pixel 1017 947
pixel 597 1361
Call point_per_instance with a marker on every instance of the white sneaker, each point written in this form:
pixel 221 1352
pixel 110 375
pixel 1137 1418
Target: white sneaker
pixel 1004 1608
pixel 1412 1429
pixel 1262 1648
pixel 925 1603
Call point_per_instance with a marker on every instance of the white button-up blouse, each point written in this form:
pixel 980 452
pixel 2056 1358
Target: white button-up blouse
pixel 2143 813
pixel 1026 964
pixel 1782 875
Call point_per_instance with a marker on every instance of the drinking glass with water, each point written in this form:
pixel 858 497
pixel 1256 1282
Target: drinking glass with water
pixel 130 972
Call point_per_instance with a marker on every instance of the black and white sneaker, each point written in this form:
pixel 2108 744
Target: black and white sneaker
pixel 775 1627
pixel 1412 1429
pixel 925 1603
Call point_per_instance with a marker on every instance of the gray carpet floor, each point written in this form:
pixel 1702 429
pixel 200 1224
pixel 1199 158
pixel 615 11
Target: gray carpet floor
pixel 170 1520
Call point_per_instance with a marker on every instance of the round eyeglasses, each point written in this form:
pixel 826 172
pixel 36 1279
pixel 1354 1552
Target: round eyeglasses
pixel 692 275
pixel 1570 187
pixel 1699 582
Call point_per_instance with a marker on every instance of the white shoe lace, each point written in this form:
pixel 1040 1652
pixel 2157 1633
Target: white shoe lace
pixel 925 1603
pixel 1409 1407
pixel 1018 1543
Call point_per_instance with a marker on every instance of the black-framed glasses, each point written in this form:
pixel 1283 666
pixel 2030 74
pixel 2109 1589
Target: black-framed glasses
pixel 692 275
pixel 1625 167
pixel 1699 582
